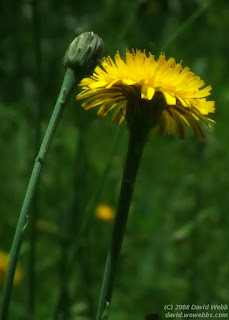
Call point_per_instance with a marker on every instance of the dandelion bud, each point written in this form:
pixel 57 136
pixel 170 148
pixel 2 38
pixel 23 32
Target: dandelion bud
pixel 84 53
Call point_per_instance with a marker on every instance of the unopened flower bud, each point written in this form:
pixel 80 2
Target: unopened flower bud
pixel 83 53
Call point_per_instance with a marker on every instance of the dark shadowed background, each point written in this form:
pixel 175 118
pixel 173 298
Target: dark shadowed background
pixel 176 245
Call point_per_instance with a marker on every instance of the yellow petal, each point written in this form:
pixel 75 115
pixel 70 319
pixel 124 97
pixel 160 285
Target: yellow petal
pixel 129 82
pixel 184 102
pixel 95 101
pixel 119 115
pixel 170 123
pixel 107 106
pixel 97 84
pixel 147 92
pixel 169 97
pixel 178 119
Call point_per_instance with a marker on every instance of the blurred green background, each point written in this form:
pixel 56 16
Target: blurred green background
pixel 176 244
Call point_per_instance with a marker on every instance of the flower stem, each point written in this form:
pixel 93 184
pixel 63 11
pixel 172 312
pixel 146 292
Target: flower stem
pixel 67 87
pixel 135 149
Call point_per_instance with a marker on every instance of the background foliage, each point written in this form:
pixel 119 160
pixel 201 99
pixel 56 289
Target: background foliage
pixel 175 249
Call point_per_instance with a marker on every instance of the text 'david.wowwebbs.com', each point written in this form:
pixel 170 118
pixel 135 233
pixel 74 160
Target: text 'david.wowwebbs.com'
pixel 195 311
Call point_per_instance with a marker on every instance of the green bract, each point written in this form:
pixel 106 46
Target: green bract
pixel 84 52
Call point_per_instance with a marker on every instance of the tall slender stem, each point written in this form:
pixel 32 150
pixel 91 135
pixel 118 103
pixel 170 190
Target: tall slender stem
pixel 66 89
pixel 135 149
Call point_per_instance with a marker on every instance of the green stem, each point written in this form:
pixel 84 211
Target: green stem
pixel 135 149
pixel 67 87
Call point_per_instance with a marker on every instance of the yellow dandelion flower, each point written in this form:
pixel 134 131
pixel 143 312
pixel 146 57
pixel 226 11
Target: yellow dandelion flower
pixel 160 89
pixel 104 212
pixel 4 259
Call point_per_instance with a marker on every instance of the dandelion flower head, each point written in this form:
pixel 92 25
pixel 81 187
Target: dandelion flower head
pixel 4 259
pixel 143 85
pixel 104 212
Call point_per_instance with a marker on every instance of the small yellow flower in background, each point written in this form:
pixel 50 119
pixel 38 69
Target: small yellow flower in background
pixel 4 258
pixel 160 88
pixel 104 212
